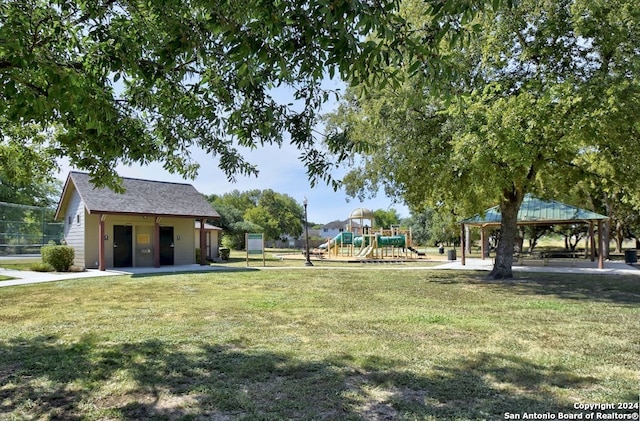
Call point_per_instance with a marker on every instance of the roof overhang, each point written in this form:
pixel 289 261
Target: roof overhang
pixel 537 212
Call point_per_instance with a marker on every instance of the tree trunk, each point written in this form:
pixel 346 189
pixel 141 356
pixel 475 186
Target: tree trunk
pixel 619 236
pixel 509 208
pixel 606 228
pixel 467 236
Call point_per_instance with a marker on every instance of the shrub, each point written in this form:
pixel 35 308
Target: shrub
pixel 41 267
pixel 197 255
pixel 60 257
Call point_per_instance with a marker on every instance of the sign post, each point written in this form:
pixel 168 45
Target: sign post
pixel 255 245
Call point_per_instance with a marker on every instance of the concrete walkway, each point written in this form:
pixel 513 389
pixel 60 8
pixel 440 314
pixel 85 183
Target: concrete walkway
pixel 28 277
pixel 24 277
pixel 579 266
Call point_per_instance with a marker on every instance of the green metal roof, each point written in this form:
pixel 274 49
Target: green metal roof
pixel 534 211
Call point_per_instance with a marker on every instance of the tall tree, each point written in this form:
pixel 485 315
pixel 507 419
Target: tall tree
pixel 513 112
pixel 278 214
pixel 131 81
pixel 26 170
pixel 386 218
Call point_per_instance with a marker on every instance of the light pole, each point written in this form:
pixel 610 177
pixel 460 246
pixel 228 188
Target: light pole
pixel 306 230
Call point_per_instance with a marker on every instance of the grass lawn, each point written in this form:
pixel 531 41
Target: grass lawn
pixel 326 344
pixel 295 258
pixel 19 264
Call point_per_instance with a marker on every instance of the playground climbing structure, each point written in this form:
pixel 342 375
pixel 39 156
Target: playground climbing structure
pixel 363 241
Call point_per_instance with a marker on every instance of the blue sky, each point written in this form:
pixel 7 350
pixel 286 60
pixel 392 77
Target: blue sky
pixel 280 170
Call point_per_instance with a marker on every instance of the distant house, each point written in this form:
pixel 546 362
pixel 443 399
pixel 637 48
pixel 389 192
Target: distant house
pixel 334 228
pixel 151 224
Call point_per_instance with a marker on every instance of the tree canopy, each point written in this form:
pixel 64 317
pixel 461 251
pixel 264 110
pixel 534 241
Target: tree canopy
pixel 537 95
pixel 274 214
pixel 26 173
pixel 128 81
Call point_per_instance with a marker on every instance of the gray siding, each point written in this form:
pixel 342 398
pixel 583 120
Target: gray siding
pixel 74 228
pixel 91 244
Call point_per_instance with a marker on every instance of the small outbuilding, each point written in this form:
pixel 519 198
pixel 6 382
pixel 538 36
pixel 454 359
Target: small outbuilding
pixel 151 224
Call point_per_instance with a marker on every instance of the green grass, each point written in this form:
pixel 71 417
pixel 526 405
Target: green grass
pixel 19 264
pixel 325 344
pixel 295 258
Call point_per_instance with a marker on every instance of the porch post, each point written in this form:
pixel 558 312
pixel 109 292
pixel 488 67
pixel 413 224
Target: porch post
pixel 156 243
pixel 101 233
pixel 600 246
pixel 203 244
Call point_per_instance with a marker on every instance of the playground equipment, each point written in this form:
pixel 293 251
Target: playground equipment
pixel 364 242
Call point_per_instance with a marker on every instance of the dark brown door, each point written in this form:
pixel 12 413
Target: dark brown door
pixel 166 246
pixel 122 246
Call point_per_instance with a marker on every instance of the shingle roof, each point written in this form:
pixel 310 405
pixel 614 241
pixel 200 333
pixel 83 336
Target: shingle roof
pixel 143 197
pixel 537 211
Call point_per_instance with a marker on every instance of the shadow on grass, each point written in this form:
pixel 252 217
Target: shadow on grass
pixel 619 290
pixel 45 378
pixel 623 290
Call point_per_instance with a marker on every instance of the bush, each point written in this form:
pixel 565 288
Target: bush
pixel 41 267
pixel 60 257
pixel 197 255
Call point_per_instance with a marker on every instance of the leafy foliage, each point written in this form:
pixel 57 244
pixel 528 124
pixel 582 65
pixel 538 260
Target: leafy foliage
pixel 59 257
pixel 433 228
pixel 386 218
pixel 26 172
pixel 278 214
pixel 524 97
pixel 128 81
pixel 266 211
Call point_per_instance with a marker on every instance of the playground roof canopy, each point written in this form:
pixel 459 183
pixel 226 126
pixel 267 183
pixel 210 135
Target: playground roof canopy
pixel 534 211
pixel 361 213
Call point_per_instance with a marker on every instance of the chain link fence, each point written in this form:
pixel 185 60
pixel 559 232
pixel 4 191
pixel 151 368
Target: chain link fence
pixel 24 229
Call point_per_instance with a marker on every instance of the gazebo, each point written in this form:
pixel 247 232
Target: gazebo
pixel 534 211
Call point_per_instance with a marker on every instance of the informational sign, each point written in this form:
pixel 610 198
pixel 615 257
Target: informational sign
pixel 255 245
